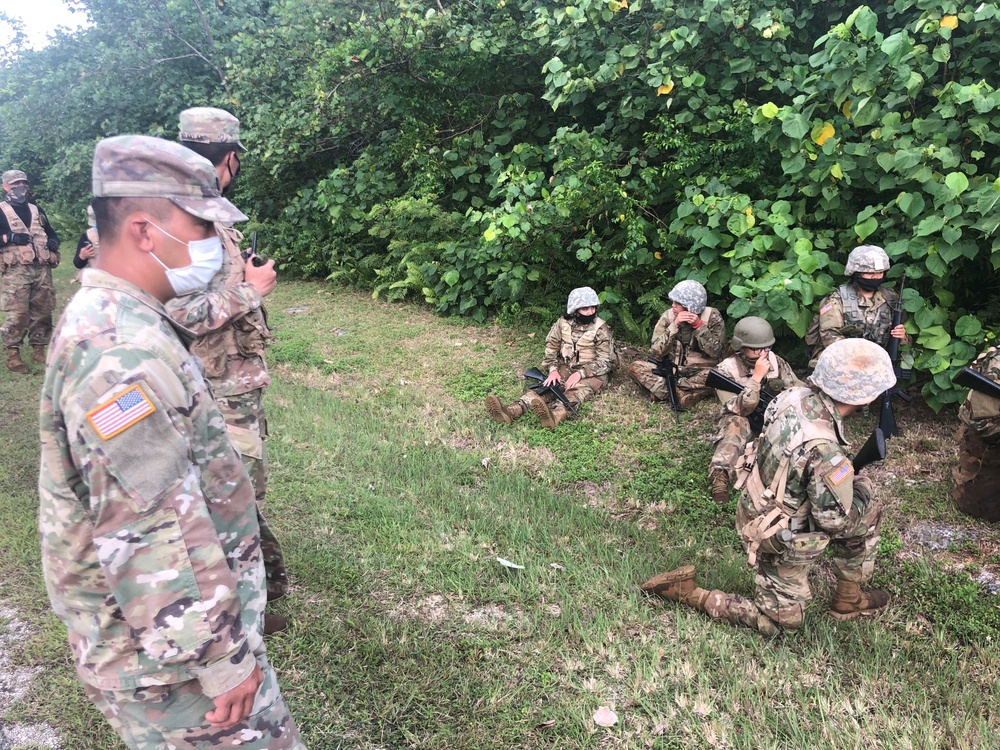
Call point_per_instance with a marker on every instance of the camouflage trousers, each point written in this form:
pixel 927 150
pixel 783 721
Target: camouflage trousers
pixel 586 388
pixel 28 299
pixel 782 580
pixel 247 427
pixel 173 716
pixel 977 476
pixel 690 382
pixel 731 440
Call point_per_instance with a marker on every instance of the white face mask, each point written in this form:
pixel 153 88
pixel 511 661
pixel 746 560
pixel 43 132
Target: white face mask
pixel 206 260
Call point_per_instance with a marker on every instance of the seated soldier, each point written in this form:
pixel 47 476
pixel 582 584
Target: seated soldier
pixel 861 308
pixel 579 354
pixel 977 477
pixel 692 336
pixel 753 366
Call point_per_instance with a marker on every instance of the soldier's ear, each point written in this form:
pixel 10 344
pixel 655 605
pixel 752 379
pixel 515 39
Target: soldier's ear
pixel 140 232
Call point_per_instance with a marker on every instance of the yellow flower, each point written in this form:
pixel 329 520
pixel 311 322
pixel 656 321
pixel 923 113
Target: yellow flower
pixel 950 22
pixel 665 89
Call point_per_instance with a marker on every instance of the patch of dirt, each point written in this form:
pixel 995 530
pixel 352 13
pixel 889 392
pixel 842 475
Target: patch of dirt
pixel 14 683
pixel 436 609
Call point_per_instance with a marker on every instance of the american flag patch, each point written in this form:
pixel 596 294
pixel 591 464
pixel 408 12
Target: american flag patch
pixel 826 308
pixel 116 416
pixel 841 473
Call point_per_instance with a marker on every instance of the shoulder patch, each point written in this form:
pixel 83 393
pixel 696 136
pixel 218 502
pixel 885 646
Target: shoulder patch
pixel 838 475
pixel 123 411
pixel 826 308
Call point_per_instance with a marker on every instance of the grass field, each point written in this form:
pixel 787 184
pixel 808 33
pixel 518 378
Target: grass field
pixel 393 495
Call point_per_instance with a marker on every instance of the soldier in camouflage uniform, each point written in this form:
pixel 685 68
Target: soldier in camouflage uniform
pixel 801 494
pixel 753 366
pixel 149 535
pixel 693 336
pixel 579 354
pixel 230 323
pixel 861 308
pixel 29 250
pixel 87 246
pixel 977 477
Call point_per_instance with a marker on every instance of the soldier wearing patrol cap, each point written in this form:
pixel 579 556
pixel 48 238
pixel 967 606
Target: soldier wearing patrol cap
pixel 692 335
pixel 579 356
pixel 149 534
pixel 861 308
pixel 801 494
pixel 29 250
pixel 229 321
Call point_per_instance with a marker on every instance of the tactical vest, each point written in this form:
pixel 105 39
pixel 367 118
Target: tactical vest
pixel 245 337
pixel 742 374
pixel 25 254
pixel 582 351
pixel 683 355
pixel 771 513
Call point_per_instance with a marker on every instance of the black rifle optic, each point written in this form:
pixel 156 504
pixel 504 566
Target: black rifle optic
pixel 721 383
pixel 887 418
pixel 539 387
pixel 969 378
pixel 667 370
pixel 873 450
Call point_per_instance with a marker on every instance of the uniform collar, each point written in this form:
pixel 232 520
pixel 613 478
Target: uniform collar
pixel 95 277
pixel 838 421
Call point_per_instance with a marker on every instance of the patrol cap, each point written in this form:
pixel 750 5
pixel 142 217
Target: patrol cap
pixel 853 371
pixel 140 166
pixel 581 297
pixel 14 175
pixel 210 125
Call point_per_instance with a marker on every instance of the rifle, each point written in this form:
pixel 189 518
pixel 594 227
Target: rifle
pixel 667 370
pixel 721 383
pixel 969 378
pixel 873 450
pixel 540 388
pixel 887 418
pixel 251 255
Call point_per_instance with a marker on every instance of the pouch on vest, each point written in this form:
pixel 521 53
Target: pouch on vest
pixel 213 360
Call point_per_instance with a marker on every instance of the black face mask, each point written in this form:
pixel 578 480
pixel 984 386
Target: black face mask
pixel 232 175
pixel 586 318
pixel 18 194
pixel 869 285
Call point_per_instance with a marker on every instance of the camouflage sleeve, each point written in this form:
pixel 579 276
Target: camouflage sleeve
pixel 601 364
pixel 743 404
pixel 153 532
pixel 788 377
pixel 661 336
pixel 829 478
pixel 711 337
pixel 552 345
pixel 893 299
pixel 831 320
pixel 214 308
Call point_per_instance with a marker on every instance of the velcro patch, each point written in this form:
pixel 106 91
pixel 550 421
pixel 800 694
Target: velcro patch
pixel 117 415
pixel 838 475
pixel 826 308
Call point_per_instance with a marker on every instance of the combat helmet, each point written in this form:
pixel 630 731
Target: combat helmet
pixel 691 294
pixel 580 297
pixel 866 259
pixel 853 371
pixel 753 332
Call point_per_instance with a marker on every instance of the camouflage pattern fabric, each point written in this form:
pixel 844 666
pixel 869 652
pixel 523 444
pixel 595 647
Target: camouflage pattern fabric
pixel 586 388
pixel 209 125
pixel 173 716
pixel 730 442
pixel 869 319
pixel 581 297
pixel 822 495
pixel 977 477
pixel 866 259
pixel 149 535
pixel 691 294
pixel 244 415
pixel 13 175
pixel 28 298
pixel 587 348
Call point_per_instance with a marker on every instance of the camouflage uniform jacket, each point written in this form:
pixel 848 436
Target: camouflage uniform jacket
pixel 846 314
pixel 583 347
pixel 982 412
pixel 36 252
pixel 743 404
pixel 819 490
pixel 687 345
pixel 228 319
pixel 149 534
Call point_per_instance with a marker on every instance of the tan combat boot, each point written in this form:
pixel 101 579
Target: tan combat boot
pixel 719 481
pixel 38 353
pixel 14 363
pixel 850 600
pixel 274 624
pixel 541 410
pixel 503 414
pixel 678 584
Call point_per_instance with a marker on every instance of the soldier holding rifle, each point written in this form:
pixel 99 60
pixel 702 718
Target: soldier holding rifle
pixel 977 477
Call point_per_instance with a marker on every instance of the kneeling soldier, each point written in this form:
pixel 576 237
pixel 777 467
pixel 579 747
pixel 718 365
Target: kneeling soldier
pixel 801 495
pixel 977 477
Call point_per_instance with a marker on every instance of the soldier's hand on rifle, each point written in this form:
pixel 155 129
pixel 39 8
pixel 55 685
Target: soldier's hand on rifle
pixel 572 380
pixel 687 317
pixel 760 368
pixel 554 377
pixel 262 278
pixel 899 332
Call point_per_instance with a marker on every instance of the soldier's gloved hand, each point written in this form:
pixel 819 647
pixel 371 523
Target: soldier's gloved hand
pixel 52 244
pixel 863 487
pixel 19 238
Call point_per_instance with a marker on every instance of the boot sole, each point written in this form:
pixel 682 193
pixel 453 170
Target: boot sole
pixel 495 409
pixel 845 616
pixel 664 580
pixel 540 410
